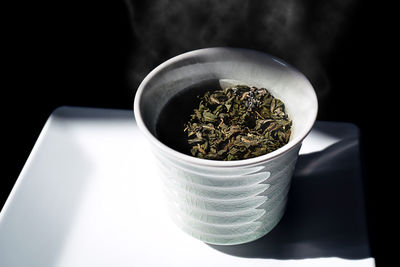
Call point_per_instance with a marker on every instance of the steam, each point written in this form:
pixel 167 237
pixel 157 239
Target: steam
pixel 301 32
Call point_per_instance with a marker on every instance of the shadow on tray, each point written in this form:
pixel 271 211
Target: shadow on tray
pixel 325 215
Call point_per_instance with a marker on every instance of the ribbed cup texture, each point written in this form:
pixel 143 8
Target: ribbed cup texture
pixel 227 205
pixel 226 202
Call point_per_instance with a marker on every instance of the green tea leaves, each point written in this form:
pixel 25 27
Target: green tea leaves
pixel 237 122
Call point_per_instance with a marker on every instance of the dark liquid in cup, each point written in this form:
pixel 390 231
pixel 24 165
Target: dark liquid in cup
pixel 177 111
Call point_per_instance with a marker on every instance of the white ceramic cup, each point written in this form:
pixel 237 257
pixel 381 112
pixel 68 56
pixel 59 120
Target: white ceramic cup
pixel 226 202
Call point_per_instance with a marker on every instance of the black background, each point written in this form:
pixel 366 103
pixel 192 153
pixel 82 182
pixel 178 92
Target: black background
pixel 96 54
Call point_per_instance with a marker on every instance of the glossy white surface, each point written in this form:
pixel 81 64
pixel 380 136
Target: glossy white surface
pixel 89 196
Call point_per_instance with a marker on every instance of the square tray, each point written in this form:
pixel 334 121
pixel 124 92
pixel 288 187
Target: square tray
pixel 89 195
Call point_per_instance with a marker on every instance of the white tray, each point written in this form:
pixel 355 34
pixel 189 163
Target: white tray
pixel 88 195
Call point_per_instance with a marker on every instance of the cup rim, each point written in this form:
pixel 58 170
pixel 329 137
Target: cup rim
pixel 208 162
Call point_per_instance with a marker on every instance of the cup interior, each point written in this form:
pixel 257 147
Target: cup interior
pixel 224 67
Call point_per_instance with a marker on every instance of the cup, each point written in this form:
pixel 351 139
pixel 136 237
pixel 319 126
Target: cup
pixel 226 202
